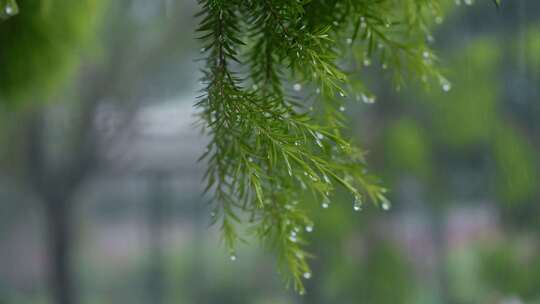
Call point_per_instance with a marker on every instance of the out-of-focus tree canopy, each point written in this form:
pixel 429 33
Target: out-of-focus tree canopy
pixel 40 46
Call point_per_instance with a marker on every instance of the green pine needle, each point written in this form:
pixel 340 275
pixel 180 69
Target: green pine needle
pixel 272 159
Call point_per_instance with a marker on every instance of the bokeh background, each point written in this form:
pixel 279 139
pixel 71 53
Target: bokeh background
pixel 100 189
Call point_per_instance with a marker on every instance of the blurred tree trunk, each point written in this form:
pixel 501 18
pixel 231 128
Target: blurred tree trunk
pixel 54 190
pixel 59 231
pixel 156 218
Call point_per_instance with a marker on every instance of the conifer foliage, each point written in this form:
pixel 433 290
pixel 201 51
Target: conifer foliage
pixel 278 150
pixel 276 77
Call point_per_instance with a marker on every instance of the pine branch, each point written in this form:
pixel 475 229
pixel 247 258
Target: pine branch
pixel 270 155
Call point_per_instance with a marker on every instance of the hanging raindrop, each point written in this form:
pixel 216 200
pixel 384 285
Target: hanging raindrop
pixel 326 178
pixel 9 10
pixel 367 62
pixel 297 87
pixel 326 203
pixel 446 85
pixel 233 257
pixel 357 205
pixel 368 99
pixel 307 275
pixel 309 228
pixel 386 205
pixel 293 237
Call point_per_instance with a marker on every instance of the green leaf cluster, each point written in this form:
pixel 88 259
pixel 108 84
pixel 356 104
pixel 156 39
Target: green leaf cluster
pixel 41 45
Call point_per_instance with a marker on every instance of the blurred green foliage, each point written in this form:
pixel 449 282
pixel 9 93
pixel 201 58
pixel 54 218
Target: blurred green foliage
pixel 381 275
pixel 517 177
pixel 407 148
pixel 464 117
pixel 508 270
pixel 41 45
pixel 532 47
pixel 466 122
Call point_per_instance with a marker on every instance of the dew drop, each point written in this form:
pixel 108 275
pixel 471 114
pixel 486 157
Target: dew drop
pixel 318 91
pixel 357 205
pixel 326 203
pixel 233 257
pixel 9 10
pixel 309 228
pixel 326 179
pixel 341 94
pixel 349 41
pixel 297 87
pixel 446 86
pixel 307 275
pixel 368 99
pixel 386 205
pixel 319 135
pixel 426 55
pixel 255 87
pixel 367 62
